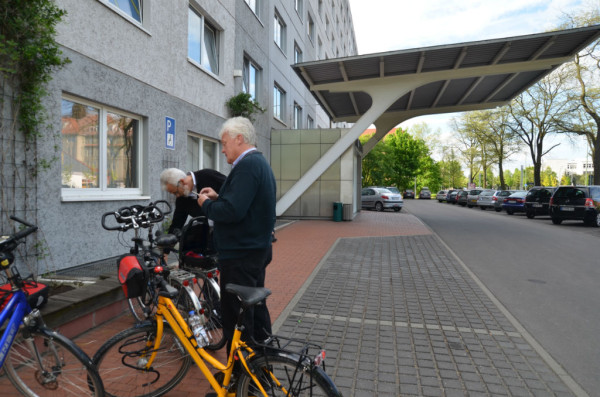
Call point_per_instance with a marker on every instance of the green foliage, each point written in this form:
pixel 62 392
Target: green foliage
pixel 243 105
pixel 397 160
pixel 29 54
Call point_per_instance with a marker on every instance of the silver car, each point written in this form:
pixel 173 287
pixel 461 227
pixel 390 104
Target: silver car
pixel 380 199
pixel 484 200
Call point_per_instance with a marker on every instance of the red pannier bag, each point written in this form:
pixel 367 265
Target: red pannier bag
pixel 132 275
pixel 37 294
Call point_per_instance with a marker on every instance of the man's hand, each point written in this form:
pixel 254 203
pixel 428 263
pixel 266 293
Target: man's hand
pixel 207 193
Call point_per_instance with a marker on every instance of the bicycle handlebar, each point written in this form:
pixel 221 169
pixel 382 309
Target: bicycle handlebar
pixel 136 216
pixel 11 243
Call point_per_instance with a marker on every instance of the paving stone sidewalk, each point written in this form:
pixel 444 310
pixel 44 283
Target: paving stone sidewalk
pixel 399 316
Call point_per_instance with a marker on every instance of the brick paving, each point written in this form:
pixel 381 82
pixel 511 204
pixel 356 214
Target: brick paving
pixel 396 312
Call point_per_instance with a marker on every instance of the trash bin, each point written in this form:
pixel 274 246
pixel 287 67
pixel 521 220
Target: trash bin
pixel 347 212
pixel 337 211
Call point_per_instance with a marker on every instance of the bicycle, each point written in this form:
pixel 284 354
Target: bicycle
pixel 37 360
pixel 153 357
pixel 198 288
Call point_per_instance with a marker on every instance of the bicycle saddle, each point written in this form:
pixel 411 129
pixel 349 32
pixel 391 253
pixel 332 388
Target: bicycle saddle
pixel 166 241
pixel 249 296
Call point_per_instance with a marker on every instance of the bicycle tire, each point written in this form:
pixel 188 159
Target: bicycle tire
pixel 117 360
pixel 138 308
pixel 214 323
pixel 71 372
pixel 291 372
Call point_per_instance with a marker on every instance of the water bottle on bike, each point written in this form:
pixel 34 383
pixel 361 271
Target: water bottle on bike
pixel 196 323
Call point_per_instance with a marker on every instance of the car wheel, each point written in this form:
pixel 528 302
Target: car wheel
pixel 470 206
pixel 378 206
pixel 396 209
pixel 556 221
pixel 510 212
pixel 530 214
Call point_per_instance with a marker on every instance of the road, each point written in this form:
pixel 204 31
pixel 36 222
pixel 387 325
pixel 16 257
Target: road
pixel 546 275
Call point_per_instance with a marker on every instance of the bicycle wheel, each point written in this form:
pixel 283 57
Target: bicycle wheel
pixel 139 308
pixel 284 375
pixel 211 303
pixel 121 359
pixel 65 369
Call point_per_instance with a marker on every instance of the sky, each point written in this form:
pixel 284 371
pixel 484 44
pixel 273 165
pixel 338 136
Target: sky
pixel 391 25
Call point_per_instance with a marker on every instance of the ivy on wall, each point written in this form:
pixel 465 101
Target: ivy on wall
pixel 28 55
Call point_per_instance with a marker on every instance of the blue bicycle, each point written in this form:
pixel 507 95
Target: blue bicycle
pixel 36 360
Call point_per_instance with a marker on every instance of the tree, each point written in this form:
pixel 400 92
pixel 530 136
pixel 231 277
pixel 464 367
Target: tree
pixel 451 170
pixel 534 116
pixel 374 164
pixel 584 114
pixel 408 157
pixel 549 177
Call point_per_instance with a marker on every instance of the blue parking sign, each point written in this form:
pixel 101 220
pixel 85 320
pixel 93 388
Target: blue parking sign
pixel 170 133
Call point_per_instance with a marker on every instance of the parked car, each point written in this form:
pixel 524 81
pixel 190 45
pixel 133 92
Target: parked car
pixel 576 202
pixel 409 193
pixel 472 197
pixel 451 197
pixel 461 197
pixel 499 197
pixel 441 195
pixel 425 193
pixel 380 199
pixel 537 201
pixel 394 189
pixel 484 199
pixel 514 203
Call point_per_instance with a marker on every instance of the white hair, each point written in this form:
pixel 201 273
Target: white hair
pixel 239 126
pixel 171 176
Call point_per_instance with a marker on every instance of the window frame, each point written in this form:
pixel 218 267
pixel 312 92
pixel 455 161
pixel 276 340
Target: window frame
pixel 279 35
pixel 204 24
pixel 278 103
pixel 103 192
pixel 297 121
pixel 247 66
pixel 297 53
pixel 202 139
pixel 124 14
pixel 254 8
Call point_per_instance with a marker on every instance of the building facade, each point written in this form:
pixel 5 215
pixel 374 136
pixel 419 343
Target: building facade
pixel 146 89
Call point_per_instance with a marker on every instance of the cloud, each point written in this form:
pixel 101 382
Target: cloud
pixel 389 25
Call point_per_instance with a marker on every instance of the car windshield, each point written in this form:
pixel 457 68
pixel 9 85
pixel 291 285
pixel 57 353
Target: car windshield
pixel 393 189
pixel 518 194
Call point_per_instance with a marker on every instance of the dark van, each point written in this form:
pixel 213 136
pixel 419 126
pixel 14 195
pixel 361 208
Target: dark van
pixel 576 203
pixel 538 200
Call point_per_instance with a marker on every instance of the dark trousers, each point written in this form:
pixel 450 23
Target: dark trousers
pixel 249 271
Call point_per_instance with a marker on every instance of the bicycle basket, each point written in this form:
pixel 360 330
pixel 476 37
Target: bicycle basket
pixel 132 275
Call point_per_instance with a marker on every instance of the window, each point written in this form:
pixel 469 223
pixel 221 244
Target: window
pixel 311 28
pixel 310 123
pixel 279 32
pixel 278 102
pixel 203 42
pixel 101 150
pixel 201 153
pixel 253 6
pixel 132 8
pixel 297 53
pixel 298 7
pixel 250 78
pixel 297 116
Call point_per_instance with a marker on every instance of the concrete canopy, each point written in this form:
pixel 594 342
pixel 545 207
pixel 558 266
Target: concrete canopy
pixel 388 88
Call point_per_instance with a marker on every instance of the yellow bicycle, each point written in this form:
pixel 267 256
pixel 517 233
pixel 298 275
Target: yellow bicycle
pixel 152 357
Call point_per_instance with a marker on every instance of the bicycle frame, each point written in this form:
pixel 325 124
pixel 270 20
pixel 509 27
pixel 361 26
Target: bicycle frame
pixel 14 312
pixel 166 310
